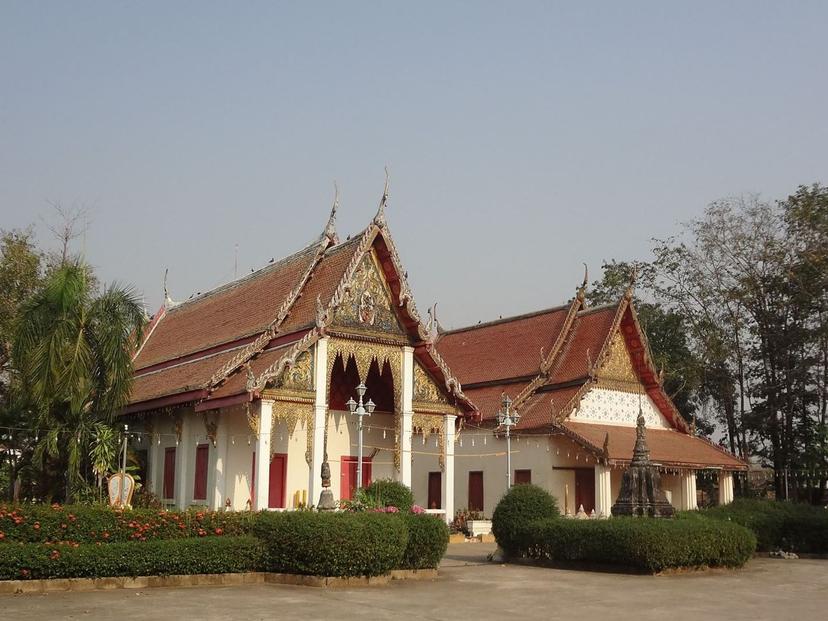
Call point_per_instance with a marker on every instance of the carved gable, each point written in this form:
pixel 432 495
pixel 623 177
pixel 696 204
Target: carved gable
pixel 617 371
pixel 425 388
pixel 366 305
pixel 299 377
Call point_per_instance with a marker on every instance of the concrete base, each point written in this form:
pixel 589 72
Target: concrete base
pixel 14 587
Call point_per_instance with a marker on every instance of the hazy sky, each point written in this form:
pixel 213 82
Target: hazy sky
pixel 522 138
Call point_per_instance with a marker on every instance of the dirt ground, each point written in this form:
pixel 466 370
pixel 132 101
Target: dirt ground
pixel 470 587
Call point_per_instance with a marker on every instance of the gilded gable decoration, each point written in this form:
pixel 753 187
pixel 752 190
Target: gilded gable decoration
pixel 425 389
pixel 298 377
pixel 363 353
pixel 366 301
pixel 616 371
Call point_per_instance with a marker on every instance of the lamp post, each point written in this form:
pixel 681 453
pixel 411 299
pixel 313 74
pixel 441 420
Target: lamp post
pixel 508 418
pixel 361 410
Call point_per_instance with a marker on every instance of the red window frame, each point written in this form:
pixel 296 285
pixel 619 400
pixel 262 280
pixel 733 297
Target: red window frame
pixel 202 458
pixel 168 490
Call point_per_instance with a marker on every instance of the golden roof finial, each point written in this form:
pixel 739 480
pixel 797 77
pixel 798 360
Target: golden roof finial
pixel 330 227
pixel 379 219
pixel 631 287
pixel 582 289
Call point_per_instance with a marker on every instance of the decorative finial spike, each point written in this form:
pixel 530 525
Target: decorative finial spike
pixel 330 227
pixel 168 301
pixel 582 289
pixel 631 287
pixel 379 219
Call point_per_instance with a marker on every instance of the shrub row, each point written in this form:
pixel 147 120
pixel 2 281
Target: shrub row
pixel 521 505
pixel 349 544
pixel 91 524
pixel 180 556
pixel 651 545
pixel 786 525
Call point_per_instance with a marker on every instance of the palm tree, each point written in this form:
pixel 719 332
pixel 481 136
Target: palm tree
pixel 73 350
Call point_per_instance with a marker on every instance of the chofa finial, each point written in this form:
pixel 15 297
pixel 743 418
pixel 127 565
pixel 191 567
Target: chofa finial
pixel 168 301
pixel 582 288
pixel 330 227
pixel 379 219
pixel 631 286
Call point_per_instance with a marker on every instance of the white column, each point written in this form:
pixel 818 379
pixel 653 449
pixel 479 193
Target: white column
pixel 220 485
pixel 603 491
pixel 448 471
pixel 688 491
pixel 725 487
pixel 407 414
pixel 262 488
pixel 155 466
pixel 183 468
pixel 320 414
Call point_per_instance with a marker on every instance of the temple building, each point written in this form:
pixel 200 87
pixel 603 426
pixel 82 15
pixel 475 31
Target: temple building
pixel 578 378
pixel 240 394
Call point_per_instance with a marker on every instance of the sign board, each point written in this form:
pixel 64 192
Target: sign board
pixel 120 487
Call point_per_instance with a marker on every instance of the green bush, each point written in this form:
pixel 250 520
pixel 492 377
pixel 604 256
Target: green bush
pixel 388 493
pixel 428 538
pixel 647 544
pixel 332 544
pixel 178 556
pixel 520 505
pixel 790 526
pixel 91 524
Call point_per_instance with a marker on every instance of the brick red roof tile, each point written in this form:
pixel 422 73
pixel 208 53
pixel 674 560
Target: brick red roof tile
pixel 667 446
pixel 488 398
pixel 178 378
pixel 584 344
pixel 237 382
pixel 501 349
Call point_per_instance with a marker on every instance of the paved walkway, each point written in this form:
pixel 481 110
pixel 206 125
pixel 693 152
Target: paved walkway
pixel 471 588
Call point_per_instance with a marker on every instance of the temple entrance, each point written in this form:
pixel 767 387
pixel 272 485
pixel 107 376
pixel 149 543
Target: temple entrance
pixel 348 475
pixel 585 489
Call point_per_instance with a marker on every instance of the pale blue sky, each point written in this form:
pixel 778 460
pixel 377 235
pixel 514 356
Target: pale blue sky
pixel 523 138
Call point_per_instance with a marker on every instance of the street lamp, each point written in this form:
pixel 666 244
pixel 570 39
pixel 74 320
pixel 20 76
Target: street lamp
pixel 360 410
pixel 508 418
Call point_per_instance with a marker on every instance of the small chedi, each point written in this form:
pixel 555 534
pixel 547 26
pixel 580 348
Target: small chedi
pixel 641 493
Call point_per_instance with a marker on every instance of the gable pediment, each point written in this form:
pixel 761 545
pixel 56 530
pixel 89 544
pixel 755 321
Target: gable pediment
pixel 367 305
pixel 617 371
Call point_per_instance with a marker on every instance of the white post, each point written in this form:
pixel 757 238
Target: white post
pixel 183 452
pixel 688 491
pixel 320 413
pixel 448 472
pixel 154 478
pixel 220 485
pixel 603 491
pixel 407 414
pixel 725 487
pixel 262 487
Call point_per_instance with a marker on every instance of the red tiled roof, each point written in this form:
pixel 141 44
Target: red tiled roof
pixel 237 382
pixel 243 308
pixel 667 446
pixel 488 398
pixel 584 344
pixel 502 349
pixel 177 378
pixel 544 408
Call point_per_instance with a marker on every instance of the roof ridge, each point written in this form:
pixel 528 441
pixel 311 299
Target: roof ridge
pixel 248 277
pixel 595 309
pixel 493 322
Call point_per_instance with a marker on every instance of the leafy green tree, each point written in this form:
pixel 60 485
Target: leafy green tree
pixel 73 351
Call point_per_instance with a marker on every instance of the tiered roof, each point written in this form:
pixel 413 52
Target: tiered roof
pixel 224 347
pixel 547 362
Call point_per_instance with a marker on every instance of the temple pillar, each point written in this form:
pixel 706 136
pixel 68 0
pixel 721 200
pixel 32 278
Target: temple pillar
pixel 320 414
pixel 261 490
pixel 448 469
pixel 725 487
pixel 220 470
pixel 155 467
pixel 183 467
pixel 407 414
pixel 603 491
pixel 688 491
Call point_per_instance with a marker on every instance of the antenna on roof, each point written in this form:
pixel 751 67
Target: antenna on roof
pixel 379 219
pixel 330 227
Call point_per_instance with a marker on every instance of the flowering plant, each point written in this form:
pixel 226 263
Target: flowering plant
pixel 417 509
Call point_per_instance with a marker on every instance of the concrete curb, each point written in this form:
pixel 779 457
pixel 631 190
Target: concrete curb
pixel 54 585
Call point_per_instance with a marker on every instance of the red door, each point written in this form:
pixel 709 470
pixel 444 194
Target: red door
pixel 585 489
pixel 278 481
pixel 523 476
pixel 169 472
pixel 348 475
pixel 200 485
pixel 435 490
pixel 475 491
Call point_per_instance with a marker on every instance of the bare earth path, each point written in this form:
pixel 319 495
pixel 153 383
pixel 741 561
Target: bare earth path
pixel 471 588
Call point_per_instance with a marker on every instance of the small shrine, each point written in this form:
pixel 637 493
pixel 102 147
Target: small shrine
pixel 641 493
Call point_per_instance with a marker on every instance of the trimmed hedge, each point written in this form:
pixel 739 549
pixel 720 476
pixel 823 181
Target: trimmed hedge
pixel 388 493
pixel 91 524
pixel 332 544
pixel 779 525
pixel 520 505
pixel 647 544
pixel 428 538
pixel 181 556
